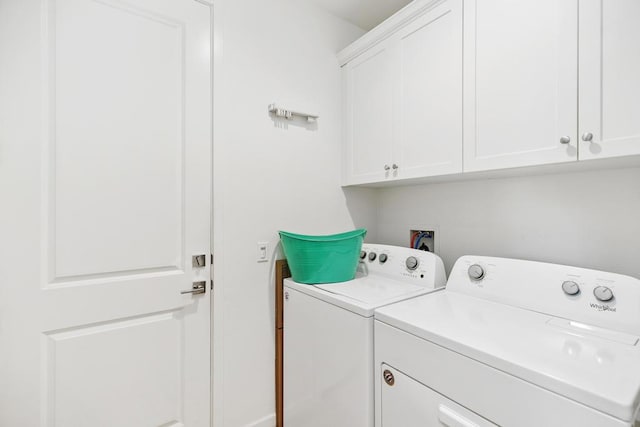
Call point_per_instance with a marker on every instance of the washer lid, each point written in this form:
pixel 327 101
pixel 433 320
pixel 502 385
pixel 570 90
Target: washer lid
pixel 597 367
pixel 361 295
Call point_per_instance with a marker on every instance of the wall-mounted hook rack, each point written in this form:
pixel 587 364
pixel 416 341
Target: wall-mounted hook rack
pixel 288 114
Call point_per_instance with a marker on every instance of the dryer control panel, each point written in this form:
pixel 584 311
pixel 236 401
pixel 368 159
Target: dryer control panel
pixel 598 298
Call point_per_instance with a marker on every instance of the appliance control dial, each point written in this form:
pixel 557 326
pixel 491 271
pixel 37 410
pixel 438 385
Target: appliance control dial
pixel 602 293
pixel 412 263
pixel 372 256
pixel 476 272
pixel 570 287
pixel 382 258
pixel 363 254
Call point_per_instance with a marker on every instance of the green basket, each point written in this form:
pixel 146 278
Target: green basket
pixel 323 259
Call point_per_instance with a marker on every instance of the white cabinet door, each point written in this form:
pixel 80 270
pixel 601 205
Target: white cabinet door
pixel 609 78
pixel 520 83
pixel 105 177
pixel 429 66
pixel 369 116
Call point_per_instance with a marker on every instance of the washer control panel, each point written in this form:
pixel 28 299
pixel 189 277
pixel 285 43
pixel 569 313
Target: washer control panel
pixel 590 296
pixel 405 264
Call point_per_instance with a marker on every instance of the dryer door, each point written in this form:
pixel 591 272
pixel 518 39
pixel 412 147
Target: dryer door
pixel 408 403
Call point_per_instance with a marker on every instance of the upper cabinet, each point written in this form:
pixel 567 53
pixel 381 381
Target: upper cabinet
pixel 609 78
pixel 451 86
pixel 403 96
pixel 521 83
pixel 429 93
pixel 369 112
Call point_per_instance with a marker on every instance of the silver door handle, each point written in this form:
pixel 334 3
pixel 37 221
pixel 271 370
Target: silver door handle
pixel 386 167
pixel 197 288
pixel 565 140
pixel 395 166
pixel 587 137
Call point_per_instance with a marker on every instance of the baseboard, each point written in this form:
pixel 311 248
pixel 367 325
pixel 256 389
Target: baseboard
pixel 268 421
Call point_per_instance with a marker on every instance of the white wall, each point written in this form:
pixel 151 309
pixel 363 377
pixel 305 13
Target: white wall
pixel 269 178
pixel 587 219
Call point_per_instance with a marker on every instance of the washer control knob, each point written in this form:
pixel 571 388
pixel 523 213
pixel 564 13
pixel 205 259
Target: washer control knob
pixel 412 263
pixel 363 254
pixel 382 258
pixel 372 256
pixel 570 287
pixel 602 293
pixel 476 272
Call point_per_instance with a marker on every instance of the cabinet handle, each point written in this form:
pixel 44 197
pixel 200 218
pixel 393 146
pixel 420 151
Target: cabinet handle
pixel 565 140
pixel 587 137
pixel 395 166
pixel 386 167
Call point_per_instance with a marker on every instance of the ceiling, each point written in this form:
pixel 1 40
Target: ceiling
pixel 365 14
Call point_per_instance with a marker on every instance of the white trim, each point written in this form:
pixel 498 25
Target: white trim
pixel 392 24
pixel 268 421
pixel 217 244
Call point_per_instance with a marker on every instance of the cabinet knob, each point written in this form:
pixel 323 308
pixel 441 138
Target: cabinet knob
pixel 587 137
pixel 395 166
pixel 386 167
pixel 565 140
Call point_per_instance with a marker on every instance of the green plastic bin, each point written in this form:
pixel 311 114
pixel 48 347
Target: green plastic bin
pixel 323 259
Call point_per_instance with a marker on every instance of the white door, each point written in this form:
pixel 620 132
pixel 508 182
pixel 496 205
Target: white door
pixel 407 403
pixel 520 83
pixel 105 149
pixel 609 78
pixel 429 66
pixel 369 116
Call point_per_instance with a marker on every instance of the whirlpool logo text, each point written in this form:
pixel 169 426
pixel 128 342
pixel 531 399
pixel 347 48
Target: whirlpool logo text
pixel 602 307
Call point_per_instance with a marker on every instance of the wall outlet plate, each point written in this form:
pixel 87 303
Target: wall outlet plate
pixel 263 252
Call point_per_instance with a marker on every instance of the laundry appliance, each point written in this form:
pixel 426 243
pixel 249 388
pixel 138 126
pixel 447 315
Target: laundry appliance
pixel 328 335
pixel 512 343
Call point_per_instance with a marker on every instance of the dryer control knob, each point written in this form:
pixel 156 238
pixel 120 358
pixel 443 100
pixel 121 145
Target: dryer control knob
pixel 412 263
pixel 382 258
pixel 372 256
pixel 363 254
pixel 602 293
pixel 570 287
pixel 476 272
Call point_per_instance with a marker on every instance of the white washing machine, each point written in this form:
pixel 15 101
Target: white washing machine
pixel 328 335
pixel 512 343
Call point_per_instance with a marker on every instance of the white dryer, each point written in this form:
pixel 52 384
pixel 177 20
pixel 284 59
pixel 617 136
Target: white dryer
pixel 328 335
pixel 512 343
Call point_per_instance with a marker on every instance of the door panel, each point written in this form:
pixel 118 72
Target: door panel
pixel 520 79
pixel 408 403
pixel 144 350
pixel 119 204
pixel 125 151
pixel 609 83
pixel 430 80
pixel 369 112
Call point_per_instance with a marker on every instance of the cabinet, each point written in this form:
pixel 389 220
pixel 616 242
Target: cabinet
pixel 520 77
pixel 369 115
pixel 522 65
pixel 609 78
pixel 403 98
pixel 545 82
